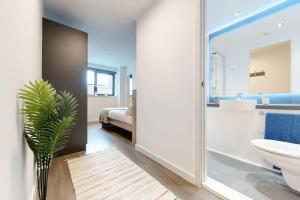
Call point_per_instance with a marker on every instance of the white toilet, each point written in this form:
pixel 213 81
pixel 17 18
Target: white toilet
pixel 283 155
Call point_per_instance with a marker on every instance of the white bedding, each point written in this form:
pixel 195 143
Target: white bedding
pixel 120 115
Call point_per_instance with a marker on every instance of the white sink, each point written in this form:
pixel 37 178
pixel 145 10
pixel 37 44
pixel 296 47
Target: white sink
pixel 238 104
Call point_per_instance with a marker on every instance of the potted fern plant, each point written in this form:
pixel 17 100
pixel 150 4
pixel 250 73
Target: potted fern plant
pixel 49 117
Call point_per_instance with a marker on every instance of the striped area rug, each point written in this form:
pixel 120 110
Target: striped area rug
pixel 110 175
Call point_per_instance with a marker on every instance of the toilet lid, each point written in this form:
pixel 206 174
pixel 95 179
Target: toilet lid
pixel 278 147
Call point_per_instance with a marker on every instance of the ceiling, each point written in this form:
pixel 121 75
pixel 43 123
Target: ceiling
pixel 110 25
pixel 222 13
pixel 112 29
pixel 261 33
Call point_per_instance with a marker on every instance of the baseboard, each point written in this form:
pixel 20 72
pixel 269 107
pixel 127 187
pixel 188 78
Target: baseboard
pixel 93 120
pixel 245 161
pixel 172 167
pixel 33 194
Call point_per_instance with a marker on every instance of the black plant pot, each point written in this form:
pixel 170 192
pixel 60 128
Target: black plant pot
pixel 42 180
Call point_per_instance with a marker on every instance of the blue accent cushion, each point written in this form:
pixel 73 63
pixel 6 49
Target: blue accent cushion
pixel 283 127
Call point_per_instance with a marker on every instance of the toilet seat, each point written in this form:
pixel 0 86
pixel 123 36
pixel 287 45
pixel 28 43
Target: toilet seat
pixel 284 155
pixel 278 147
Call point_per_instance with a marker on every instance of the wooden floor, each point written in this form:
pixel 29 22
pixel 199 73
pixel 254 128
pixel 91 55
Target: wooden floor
pixel 60 185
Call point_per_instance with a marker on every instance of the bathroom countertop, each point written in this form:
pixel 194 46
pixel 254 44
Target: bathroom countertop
pixel 272 106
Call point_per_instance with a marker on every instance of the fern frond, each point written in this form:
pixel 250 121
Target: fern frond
pixel 49 118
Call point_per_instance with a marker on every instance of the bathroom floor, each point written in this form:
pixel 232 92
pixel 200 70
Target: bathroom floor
pixel 254 182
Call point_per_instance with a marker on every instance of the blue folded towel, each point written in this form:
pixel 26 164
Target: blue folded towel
pixel 283 127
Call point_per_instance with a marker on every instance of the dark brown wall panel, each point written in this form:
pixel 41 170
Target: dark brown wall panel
pixel 64 66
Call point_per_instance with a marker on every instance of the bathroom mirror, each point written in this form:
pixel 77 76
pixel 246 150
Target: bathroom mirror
pixel 270 69
pixel 257 56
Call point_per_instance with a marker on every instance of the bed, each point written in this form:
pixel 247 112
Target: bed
pixel 122 117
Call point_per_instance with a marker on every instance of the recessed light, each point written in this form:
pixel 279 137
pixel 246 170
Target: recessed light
pixel 237 13
pixel 280 25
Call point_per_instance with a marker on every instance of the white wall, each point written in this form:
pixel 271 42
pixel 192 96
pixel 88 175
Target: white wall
pixel 20 61
pixel 96 104
pixel 123 87
pixel 230 132
pixel 295 64
pixel 132 70
pixel 237 61
pixel 167 42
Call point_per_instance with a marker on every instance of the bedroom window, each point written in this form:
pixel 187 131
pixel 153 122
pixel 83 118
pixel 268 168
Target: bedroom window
pixel 100 82
pixel 91 82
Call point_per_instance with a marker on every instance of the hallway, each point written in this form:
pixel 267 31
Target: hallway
pixel 60 186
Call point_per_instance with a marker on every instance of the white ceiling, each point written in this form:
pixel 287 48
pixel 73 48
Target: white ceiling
pixel 109 23
pixel 112 29
pixel 261 33
pixel 220 13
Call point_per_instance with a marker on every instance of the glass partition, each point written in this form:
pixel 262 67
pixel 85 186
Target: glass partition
pixel 252 57
pixel 258 57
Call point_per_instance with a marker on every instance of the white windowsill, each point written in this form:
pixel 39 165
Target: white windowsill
pixel 102 96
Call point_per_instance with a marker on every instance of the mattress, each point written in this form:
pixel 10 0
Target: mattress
pixel 120 115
